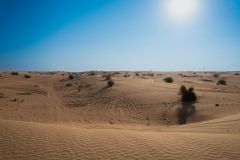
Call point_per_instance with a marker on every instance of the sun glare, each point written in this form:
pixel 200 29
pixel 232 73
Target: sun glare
pixel 181 10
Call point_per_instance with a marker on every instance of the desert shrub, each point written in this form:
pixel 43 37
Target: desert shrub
pixel 110 83
pixel 188 98
pixel 126 75
pixel 150 74
pixel 215 75
pixel 108 77
pixel 92 73
pixel 1 95
pixel 221 82
pixel 14 73
pixel 236 74
pixel 70 76
pixel 27 76
pixel 68 84
pixel 136 74
pixel 168 80
pixel 187 95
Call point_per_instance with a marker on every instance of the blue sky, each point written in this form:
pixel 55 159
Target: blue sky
pixel 80 35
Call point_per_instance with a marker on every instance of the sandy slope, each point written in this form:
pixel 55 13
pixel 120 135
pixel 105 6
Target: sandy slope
pixel 51 117
pixel 25 140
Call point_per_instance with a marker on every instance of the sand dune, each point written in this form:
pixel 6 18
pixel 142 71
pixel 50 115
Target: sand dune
pixel 50 116
pixel 25 140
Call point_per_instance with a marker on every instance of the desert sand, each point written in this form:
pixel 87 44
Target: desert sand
pixel 53 116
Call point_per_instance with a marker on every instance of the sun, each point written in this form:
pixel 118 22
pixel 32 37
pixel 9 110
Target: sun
pixel 181 10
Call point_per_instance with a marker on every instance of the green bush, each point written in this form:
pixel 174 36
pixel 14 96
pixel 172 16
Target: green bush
pixel 14 73
pixel 70 76
pixel 221 82
pixel 110 83
pixel 168 80
pixel 92 73
pixel 150 74
pixel 27 76
pixel 187 95
pixel 68 84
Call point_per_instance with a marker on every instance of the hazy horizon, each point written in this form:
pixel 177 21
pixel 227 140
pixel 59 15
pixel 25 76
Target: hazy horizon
pixel 120 35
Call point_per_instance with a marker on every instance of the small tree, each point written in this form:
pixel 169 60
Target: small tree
pixel 188 95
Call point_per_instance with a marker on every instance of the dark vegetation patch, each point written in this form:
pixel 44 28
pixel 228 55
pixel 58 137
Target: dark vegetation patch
pixel 107 77
pixel 126 75
pixel 183 75
pixel 27 76
pixel 221 82
pixel 69 84
pixel 187 95
pixel 110 83
pixel 91 73
pixel 14 73
pixel 111 122
pixel 215 75
pixel 188 98
pixel 168 80
pixel 70 76
pixel 207 80
pixel 24 93
pixel 150 74
pixel 14 100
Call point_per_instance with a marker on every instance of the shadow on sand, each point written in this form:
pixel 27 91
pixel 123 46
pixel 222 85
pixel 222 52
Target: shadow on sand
pixel 187 109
